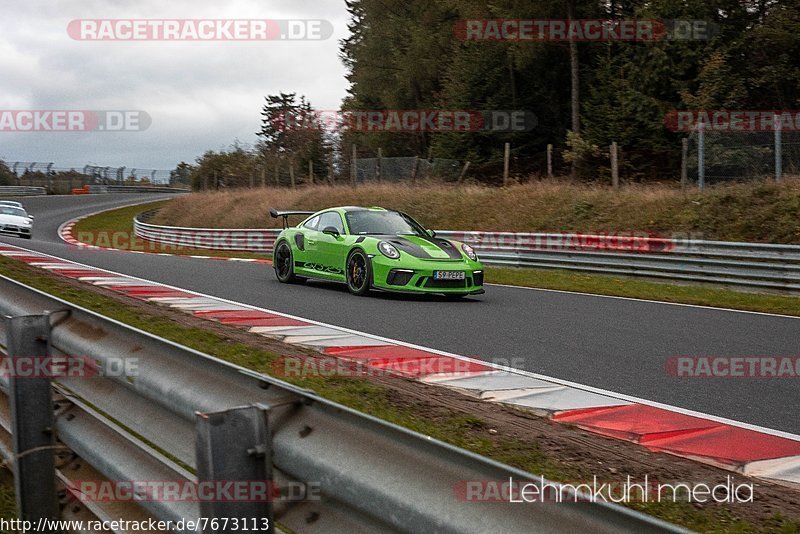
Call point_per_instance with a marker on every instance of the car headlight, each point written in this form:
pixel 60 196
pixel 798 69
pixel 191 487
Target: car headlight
pixel 388 250
pixel 470 252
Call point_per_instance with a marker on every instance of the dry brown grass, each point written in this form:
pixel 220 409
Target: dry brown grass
pixel 762 212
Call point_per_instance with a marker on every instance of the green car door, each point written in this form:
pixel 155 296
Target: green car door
pixel 331 247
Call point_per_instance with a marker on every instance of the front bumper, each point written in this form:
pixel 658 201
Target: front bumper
pixel 19 231
pixel 393 275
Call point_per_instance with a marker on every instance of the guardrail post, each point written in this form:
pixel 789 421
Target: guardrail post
pixel 32 420
pixel 234 446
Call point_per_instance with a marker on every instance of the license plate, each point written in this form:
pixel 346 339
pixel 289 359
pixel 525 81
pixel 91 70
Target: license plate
pixel 449 275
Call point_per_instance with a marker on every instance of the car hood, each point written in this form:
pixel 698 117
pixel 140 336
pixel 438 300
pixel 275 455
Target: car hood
pixel 13 219
pixel 428 248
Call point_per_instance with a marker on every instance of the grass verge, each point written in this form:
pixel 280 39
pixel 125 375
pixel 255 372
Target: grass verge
pixel 460 429
pixel 757 211
pixel 701 295
pixel 8 499
pixel 114 229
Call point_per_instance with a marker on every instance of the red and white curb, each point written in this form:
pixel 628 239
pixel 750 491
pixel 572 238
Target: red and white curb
pixel 732 445
pixel 65 232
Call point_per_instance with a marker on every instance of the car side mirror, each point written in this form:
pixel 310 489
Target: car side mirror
pixel 330 230
pixel 431 233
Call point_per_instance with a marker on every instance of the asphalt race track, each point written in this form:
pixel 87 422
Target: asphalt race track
pixel 615 344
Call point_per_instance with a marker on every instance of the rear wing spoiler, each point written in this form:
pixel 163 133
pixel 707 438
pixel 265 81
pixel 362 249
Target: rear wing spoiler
pixel 286 214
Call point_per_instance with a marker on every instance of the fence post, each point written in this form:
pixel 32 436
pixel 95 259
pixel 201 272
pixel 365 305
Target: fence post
pixel 311 171
pixel 506 158
pixel 549 161
pixel 380 164
pixel 31 404
pixel 701 157
pixel 234 446
pixel 415 169
pixel 253 179
pixel 778 150
pixel 291 175
pixel 330 173
pixel 264 176
pixel 614 166
pixel 684 162
pixel 277 174
pixel 353 169
pixel 463 172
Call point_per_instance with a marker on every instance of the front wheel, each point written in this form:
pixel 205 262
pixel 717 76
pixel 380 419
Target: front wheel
pixel 359 273
pixel 283 262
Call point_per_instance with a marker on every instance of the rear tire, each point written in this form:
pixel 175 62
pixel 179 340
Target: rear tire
pixel 359 273
pixel 283 262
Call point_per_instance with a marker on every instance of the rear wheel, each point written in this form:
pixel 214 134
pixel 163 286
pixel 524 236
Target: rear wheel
pixel 283 262
pixel 359 273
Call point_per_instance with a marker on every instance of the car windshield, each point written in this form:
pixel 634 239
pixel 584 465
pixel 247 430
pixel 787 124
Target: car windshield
pixel 8 210
pixel 368 222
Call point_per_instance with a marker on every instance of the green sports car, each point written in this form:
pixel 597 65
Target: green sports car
pixel 374 248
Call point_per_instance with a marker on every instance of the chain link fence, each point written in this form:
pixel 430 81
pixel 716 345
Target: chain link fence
pixel 715 157
pixel 404 169
pixel 62 180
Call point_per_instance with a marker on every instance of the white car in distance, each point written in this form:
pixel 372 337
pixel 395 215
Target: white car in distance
pixel 15 221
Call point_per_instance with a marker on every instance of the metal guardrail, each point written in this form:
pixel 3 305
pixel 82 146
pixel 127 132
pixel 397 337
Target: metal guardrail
pixel 135 189
pixel 752 265
pixel 188 417
pixel 21 191
pixel 205 238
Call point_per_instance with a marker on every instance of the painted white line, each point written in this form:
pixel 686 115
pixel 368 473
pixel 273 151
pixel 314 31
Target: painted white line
pixel 649 301
pixel 584 387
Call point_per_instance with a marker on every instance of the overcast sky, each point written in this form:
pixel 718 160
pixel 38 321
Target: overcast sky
pixel 200 95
